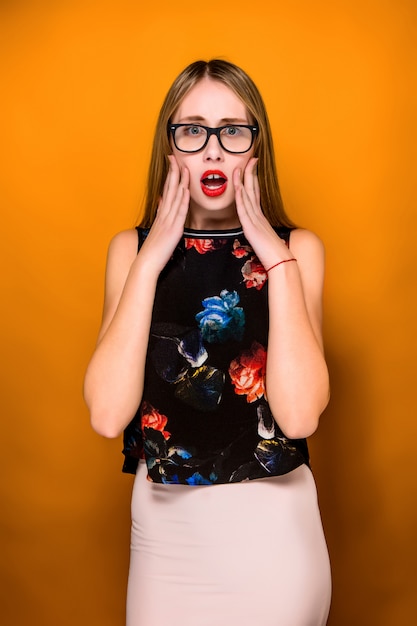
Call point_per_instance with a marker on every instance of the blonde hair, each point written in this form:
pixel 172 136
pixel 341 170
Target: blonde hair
pixel 242 85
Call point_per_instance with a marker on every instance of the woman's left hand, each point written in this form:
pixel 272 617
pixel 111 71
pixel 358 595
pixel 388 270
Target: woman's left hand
pixel 266 244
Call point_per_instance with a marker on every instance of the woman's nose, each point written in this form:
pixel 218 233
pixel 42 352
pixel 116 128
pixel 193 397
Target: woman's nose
pixel 213 150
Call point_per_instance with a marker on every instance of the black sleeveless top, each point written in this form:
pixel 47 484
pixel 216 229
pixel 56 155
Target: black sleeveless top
pixel 204 416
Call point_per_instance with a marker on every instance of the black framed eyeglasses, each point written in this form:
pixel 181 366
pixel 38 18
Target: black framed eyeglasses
pixel 234 138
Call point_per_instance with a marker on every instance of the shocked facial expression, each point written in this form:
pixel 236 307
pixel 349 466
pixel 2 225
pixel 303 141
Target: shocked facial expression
pixel 211 103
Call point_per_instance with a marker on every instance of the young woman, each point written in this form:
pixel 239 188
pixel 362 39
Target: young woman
pixel 210 359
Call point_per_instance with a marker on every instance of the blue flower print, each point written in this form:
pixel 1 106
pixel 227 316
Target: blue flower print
pixel 221 319
pixel 198 479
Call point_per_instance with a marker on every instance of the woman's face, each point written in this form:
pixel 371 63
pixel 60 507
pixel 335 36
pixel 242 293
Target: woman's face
pixel 212 104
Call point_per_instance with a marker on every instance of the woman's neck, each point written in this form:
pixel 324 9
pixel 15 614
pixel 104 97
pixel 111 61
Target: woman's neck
pixel 212 220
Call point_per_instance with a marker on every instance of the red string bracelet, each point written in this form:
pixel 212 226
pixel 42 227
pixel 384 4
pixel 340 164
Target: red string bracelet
pixel 279 263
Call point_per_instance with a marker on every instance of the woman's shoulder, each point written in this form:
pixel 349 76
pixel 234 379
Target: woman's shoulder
pixel 306 242
pixel 124 243
pixel 122 251
pixel 309 251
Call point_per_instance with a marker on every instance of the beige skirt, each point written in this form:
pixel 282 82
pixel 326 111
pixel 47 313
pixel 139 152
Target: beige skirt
pixel 241 554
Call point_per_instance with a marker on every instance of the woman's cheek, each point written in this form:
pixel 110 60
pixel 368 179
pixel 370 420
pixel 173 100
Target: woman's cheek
pixel 195 189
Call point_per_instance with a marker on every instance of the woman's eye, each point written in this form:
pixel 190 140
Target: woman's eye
pixel 192 130
pixel 231 131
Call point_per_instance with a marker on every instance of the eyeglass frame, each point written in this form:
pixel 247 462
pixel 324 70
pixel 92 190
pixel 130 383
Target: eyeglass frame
pixel 214 131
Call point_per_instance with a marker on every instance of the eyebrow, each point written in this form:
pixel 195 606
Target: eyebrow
pixel 224 120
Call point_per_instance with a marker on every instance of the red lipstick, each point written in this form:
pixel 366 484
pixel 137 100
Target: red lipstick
pixel 213 183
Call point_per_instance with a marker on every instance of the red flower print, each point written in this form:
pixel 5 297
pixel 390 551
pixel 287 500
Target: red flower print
pixel 254 273
pixel 204 245
pixel 240 251
pixel 151 418
pixel 247 372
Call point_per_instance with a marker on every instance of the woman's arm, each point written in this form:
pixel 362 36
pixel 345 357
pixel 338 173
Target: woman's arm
pixel 114 379
pixel 297 381
pixel 297 384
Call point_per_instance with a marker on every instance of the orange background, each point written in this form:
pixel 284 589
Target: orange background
pixel 82 85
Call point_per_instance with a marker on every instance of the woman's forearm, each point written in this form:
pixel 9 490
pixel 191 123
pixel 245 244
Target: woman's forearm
pixel 297 383
pixel 114 378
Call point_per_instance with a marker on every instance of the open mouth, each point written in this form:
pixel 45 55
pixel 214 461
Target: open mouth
pixel 213 183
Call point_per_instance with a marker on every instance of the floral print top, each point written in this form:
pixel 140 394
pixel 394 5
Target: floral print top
pixel 204 416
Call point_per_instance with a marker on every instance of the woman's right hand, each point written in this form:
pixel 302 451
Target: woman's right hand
pixel 168 226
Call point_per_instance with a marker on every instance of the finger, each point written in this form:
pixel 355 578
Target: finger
pixel 185 178
pixel 241 197
pixel 250 176
pixel 237 183
pixel 252 185
pixel 181 201
pixel 184 205
pixel 166 183
pixel 183 184
pixel 257 188
pixel 172 180
pixel 246 190
pixel 237 177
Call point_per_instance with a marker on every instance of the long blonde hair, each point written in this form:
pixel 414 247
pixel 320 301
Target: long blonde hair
pixel 242 85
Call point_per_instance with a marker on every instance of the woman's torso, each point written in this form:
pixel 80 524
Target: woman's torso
pixel 204 417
